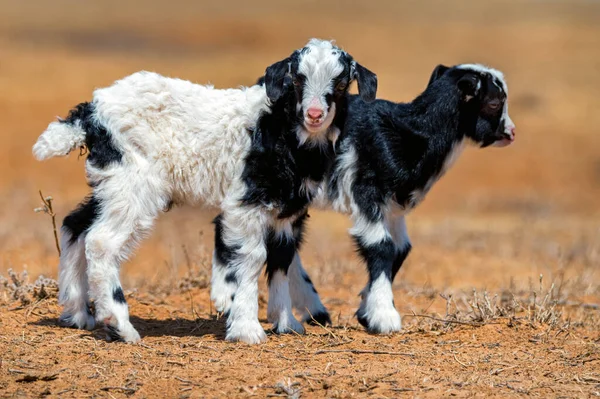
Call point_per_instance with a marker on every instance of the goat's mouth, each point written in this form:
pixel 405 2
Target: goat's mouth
pixel 314 126
pixel 505 140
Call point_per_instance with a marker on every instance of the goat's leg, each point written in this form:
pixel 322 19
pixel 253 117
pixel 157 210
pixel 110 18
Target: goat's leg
pixel 72 274
pixel 126 213
pixel 301 289
pixel 281 247
pixel 402 241
pixel 243 234
pixel 377 312
pixel 305 297
pixel 222 283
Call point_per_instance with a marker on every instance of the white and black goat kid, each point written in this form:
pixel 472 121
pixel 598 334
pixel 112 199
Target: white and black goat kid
pixel 388 156
pixel 155 141
pixel 314 79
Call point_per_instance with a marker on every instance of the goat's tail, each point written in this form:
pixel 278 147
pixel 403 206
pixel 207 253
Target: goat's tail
pixel 63 136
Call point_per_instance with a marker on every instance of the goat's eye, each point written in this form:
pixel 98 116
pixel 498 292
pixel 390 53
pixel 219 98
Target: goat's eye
pixel 494 104
pixel 296 82
pixel 341 86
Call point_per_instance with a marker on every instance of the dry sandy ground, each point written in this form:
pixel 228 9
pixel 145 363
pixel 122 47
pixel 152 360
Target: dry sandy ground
pixel 478 321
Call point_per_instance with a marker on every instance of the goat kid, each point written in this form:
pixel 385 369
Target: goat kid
pixel 155 141
pixel 388 156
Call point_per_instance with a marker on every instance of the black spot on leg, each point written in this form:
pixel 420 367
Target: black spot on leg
pixel 118 296
pixel 309 282
pixel 230 278
pixel 224 253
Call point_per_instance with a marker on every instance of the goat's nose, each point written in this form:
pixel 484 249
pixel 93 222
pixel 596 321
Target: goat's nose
pixel 513 130
pixel 315 113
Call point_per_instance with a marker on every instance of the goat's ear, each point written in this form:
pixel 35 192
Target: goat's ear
pixel 275 77
pixel 469 86
pixel 437 73
pixel 367 82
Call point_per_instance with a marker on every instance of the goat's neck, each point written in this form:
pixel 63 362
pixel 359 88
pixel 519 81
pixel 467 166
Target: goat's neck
pixel 432 129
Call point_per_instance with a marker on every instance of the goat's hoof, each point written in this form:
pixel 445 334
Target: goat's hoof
pixel 289 326
pixel 248 331
pixel 318 319
pixel 222 299
pixel 126 334
pixel 81 320
pixel 383 321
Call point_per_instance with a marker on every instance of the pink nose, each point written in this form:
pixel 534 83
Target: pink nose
pixel 315 113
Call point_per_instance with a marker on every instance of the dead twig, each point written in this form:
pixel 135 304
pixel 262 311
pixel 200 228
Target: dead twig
pixel 467 323
pixel 47 209
pixel 363 352
pixel 123 389
pixel 459 362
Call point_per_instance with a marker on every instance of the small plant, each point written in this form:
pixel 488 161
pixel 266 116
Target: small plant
pixel 48 210
pixel 18 287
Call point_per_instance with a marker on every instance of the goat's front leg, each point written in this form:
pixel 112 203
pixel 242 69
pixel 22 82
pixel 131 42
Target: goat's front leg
pixel 377 312
pixel 281 247
pixel 244 250
pixel 301 289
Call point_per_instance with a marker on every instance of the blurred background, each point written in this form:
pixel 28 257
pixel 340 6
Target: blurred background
pixel 499 216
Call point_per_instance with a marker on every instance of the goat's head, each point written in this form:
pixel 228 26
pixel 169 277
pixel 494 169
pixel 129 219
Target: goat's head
pixel 484 94
pixel 319 76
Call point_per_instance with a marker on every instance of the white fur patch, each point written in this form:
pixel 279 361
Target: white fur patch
pixel 221 291
pixel 73 283
pixel 370 233
pixel 280 305
pixel 320 64
pixel 192 137
pixel 378 307
pixel 59 139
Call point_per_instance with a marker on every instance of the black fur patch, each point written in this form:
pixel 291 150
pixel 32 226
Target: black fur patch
pixel 80 220
pixel 280 252
pixel 118 296
pixel 401 256
pixel 230 278
pixel 299 229
pixel 223 252
pixel 379 257
pixel 98 141
pixel 362 319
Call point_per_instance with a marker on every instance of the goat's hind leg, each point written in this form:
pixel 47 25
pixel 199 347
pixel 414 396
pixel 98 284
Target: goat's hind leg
pixel 222 282
pixel 124 218
pixel 375 244
pixel 72 276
